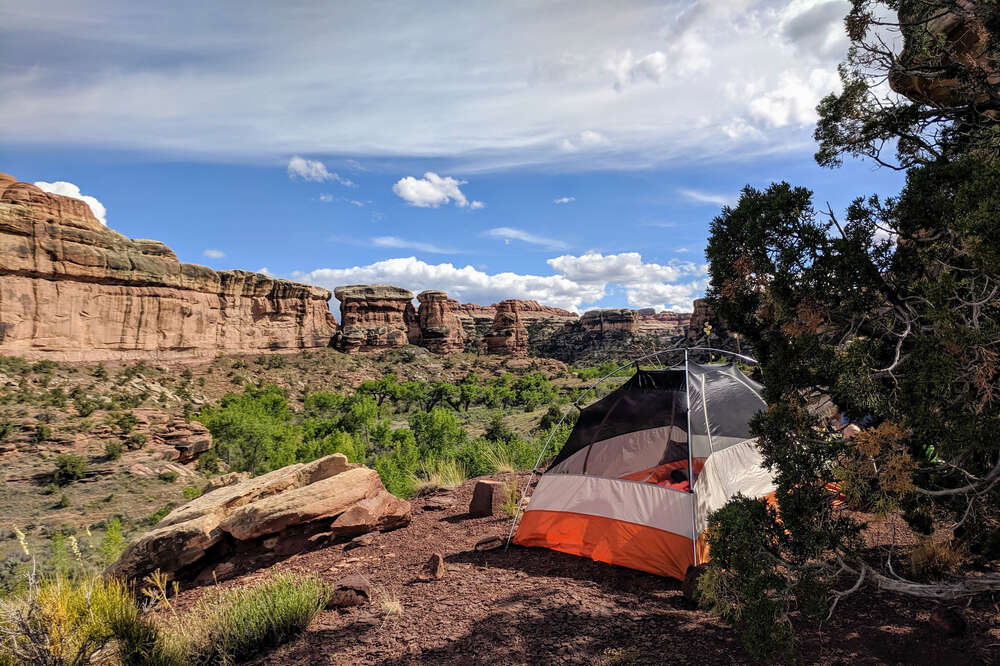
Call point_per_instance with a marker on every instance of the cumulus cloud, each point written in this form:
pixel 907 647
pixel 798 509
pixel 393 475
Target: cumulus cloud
pixel 793 101
pixel 396 242
pixel 433 190
pixel 314 171
pixel 326 198
pixel 214 254
pixel 564 200
pixel 627 69
pixel 508 234
pixel 71 190
pixel 576 282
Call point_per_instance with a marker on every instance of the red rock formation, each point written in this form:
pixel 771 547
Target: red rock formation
pixel 930 75
pixel 441 329
pixel 507 336
pixel 641 322
pixel 701 316
pixel 74 290
pixel 375 316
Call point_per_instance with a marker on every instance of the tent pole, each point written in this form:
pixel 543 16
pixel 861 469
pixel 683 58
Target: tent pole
pixel 687 394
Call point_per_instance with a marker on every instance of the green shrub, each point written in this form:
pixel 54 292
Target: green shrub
pixel 126 422
pixel 6 428
pixel 100 372
pixel 208 462
pixel 61 621
pixel 63 502
pixel 113 449
pixel 191 492
pixel 159 514
pixel 137 440
pixel 113 542
pixel 168 476
pixel 42 433
pixel 246 621
pixel 69 468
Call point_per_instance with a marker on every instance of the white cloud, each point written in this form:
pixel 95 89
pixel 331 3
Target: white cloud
pixel 72 191
pixel 584 140
pixel 396 242
pixel 433 190
pixel 326 198
pixel 627 69
pixel 507 234
pixel 564 200
pixel 314 171
pixel 578 280
pixel 264 270
pixel 705 197
pixel 214 254
pixel 313 81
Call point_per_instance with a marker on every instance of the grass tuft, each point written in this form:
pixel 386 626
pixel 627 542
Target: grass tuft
pixel 436 474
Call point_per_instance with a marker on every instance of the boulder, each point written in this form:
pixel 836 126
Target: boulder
pixel 382 512
pixel 224 480
pixel 288 506
pixel 315 501
pixel 488 498
pixel 71 289
pixel 191 439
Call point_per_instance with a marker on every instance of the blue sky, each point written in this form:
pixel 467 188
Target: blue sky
pixel 570 152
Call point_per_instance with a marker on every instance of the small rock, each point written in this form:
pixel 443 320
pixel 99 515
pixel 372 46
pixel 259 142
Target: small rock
pixel 947 621
pixel 363 540
pixel 438 503
pixel 352 590
pixel 489 543
pixel 487 498
pixel 689 587
pixel 436 567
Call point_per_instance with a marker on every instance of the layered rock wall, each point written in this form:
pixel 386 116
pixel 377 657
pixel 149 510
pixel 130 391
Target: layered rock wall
pixel 73 290
pixel 441 329
pixel 507 336
pixel 376 316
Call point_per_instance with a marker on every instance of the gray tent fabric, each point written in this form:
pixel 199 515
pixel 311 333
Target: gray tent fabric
pixel 644 423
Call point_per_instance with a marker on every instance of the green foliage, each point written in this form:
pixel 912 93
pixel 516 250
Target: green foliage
pixel 42 433
pixel 125 422
pixel 168 476
pixel 191 492
pixel 248 620
pixel 69 468
pixel 7 427
pixel 63 502
pixel 159 514
pixel 113 449
pixel 113 541
pixel 62 621
pixel 208 462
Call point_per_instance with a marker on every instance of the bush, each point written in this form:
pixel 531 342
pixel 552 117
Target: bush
pixel 168 476
pixel 937 557
pixel 159 514
pixel 246 621
pixel 64 621
pixel 137 440
pixel 126 422
pixel 191 492
pixel 113 542
pixel 113 449
pixel 69 468
pixel 42 433
pixel 435 474
pixel 208 462
pixel 63 502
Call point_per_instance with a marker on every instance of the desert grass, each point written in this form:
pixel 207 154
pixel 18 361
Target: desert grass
pixel 389 604
pixel 437 474
pixel 512 498
pixel 936 557
pixel 500 460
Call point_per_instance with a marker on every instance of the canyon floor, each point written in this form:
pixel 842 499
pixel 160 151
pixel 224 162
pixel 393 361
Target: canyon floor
pixel 42 399
pixel 534 606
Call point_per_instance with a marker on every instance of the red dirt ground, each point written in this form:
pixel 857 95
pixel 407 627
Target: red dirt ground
pixel 535 606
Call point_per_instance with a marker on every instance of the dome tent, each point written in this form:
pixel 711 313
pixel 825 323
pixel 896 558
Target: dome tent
pixel 645 466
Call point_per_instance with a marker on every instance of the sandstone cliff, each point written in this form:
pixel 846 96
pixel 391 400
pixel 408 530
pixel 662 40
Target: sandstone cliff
pixel 376 316
pixel 441 329
pixel 74 290
pixel 507 336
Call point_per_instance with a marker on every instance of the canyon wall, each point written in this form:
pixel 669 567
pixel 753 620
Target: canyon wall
pixel 376 316
pixel 73 290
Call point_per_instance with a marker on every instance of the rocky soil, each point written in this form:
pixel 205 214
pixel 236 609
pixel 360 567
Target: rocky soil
pixel 533 606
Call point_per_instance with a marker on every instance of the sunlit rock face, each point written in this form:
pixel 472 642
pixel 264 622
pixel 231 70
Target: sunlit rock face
pixel 376 316
pixel 507 335
pixel 72 289
pixel 441 328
